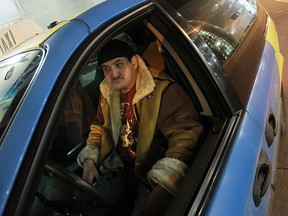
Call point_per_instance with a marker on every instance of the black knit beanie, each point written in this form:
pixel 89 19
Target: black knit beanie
pixel 114 49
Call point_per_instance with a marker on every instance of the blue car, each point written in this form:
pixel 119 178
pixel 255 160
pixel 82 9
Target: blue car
pixel 225 54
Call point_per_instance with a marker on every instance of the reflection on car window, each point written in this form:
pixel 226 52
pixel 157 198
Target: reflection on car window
pixel 222 29
pixel 88 74
pixel 15 75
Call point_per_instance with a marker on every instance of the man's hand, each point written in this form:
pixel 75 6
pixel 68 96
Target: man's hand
pixel 90 172
pixel 158 201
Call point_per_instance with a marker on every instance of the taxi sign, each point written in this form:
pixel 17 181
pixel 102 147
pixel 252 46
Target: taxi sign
pixel 16 33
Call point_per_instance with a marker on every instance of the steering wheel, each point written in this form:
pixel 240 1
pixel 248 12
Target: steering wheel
pixel 77 182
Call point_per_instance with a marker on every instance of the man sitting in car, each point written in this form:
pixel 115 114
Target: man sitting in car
pixel 145 134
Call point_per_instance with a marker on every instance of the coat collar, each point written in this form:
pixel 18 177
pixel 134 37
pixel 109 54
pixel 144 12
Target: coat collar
pixel 144 84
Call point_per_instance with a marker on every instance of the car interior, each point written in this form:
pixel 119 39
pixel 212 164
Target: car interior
pixel 61 190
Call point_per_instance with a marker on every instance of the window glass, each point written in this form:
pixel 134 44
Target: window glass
pixel 15 75
pixel 88 74
pixel 222 24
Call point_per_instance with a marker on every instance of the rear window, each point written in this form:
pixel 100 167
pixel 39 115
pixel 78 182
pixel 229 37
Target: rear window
pixel 15 76
pixel 222 24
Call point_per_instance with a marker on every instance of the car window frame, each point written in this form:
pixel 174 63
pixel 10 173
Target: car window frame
pixel 249 53
pixel 43 52
pixel 206 54
pixel 194 194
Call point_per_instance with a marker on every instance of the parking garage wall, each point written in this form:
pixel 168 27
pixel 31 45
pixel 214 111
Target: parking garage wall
pixel 44 12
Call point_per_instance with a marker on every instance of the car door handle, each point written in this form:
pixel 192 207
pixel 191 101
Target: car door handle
pixel 262 178
pixel 270 129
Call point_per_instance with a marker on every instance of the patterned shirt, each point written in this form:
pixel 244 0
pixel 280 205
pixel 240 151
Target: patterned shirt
pixel 127 142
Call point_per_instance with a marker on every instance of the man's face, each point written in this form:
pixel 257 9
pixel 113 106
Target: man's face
pixel 121 73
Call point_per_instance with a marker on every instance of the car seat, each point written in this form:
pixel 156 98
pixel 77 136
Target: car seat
pixel 73 127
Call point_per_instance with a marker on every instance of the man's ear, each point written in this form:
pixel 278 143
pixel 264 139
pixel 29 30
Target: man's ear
pixel 134 61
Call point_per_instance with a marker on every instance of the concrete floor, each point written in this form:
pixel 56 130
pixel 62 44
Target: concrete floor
pixel 278 10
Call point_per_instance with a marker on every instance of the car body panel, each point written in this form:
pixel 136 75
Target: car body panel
pixel 233 173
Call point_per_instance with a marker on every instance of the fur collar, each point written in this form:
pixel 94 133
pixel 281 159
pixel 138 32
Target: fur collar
pixel 144 84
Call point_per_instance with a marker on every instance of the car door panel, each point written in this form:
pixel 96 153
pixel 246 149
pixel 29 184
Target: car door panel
pixel 236 180
pixel 267 85
pixel 238 183
pixel 265 102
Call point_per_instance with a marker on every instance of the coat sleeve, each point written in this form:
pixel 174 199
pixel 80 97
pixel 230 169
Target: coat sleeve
pixel 92 148
pixel 180 124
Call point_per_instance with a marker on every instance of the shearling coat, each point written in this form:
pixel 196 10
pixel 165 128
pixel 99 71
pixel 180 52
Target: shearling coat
pixel 169 130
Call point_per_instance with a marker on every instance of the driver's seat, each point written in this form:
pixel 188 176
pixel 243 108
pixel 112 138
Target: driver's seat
pixel 73 126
